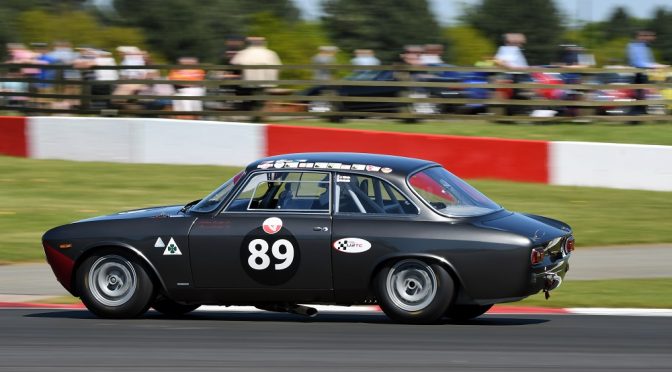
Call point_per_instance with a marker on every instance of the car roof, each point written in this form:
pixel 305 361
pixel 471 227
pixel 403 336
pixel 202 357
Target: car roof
pixel 350 161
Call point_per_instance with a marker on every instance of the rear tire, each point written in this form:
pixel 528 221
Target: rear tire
pixel 114 285
pixel 169 307
pixel 413 291
pixel 466 312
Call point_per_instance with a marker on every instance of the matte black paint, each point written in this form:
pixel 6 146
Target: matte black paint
pixel 488 255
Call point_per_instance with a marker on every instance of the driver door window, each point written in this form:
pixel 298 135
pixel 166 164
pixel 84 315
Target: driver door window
pixel 287 191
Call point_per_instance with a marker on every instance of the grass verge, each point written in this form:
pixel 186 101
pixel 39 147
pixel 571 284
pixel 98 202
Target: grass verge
pixel 36 195
pixel 638 293
pixel 649 133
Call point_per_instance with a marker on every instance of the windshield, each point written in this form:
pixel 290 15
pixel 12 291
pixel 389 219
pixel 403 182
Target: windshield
pixel 210 202
pixel 449 195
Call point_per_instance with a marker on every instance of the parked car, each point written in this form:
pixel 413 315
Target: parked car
pixel 316 228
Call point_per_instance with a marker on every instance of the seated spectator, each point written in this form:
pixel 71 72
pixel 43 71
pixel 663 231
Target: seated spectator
pixel 188 73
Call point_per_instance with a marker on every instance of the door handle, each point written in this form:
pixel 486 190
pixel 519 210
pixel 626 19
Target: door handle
pixel 320 228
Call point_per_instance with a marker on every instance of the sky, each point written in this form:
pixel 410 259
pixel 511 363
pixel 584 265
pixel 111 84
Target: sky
pixel 585 10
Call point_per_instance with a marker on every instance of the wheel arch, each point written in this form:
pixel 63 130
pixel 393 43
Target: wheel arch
pixel 127 248
pixel 426 257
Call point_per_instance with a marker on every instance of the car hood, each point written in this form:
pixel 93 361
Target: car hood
pixel 153 212
pixel 538 229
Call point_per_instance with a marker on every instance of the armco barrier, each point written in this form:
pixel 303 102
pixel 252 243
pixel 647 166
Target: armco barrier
pixel 219 143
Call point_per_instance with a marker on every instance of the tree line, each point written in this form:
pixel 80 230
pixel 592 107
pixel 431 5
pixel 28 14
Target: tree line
pixel 174 28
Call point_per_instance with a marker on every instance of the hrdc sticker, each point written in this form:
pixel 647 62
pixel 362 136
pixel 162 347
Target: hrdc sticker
pixel 172 249
pixel 352 245
pixel 272 225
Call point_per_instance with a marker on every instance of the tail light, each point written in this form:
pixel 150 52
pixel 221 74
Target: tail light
pixel 537 255
pixel 569 245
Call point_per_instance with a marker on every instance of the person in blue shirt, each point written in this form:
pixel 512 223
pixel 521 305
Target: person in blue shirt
pixel 640 56
pixel 639 53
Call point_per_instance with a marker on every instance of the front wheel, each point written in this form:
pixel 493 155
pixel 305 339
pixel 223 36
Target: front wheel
pixel 466 312
pixel 413 291
pixel 169 307
pixel 114 285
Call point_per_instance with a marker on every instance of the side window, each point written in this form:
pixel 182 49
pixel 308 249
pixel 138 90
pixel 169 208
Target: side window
pixel 289 191
pixel 364 194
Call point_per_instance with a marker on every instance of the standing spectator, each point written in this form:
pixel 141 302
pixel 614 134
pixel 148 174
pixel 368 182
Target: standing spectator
pixel 365 57
pixel 326 55
pixel 188 73
pixel 132 56
pixel 640 56
pixel 256 54
pixel 432 55
pixel 104 78
pixel 65 55
pixel 639 53
pixel 510 54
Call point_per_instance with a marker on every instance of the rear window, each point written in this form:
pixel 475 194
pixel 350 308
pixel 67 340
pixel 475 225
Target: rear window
pixel 449 195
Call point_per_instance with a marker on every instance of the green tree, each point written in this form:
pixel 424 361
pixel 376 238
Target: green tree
pixel 661 24
pixel 196 28
pixel 382 25
pixel 619 24
pixel 468 45
pixel 539 20
pixel 295 42
pixel 78 27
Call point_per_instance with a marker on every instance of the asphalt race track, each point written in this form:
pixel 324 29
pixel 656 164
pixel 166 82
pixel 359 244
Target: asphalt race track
pixel 73 340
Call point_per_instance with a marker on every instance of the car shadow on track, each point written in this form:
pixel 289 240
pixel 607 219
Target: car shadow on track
pixel 494 320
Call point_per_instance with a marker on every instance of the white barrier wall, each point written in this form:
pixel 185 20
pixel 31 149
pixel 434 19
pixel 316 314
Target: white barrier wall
pixel 133 140
pixel 145 140
pixel 90 139
pixel 621 166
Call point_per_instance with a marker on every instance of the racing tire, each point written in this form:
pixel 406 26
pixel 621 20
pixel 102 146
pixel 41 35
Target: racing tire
pixel 113 284
pixel 171 308
pixel 414 291
pixel 466 312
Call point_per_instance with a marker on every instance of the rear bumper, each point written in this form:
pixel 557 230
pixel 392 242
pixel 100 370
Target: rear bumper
pixel 549 278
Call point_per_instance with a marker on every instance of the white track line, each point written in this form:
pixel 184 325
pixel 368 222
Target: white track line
pixel 619 312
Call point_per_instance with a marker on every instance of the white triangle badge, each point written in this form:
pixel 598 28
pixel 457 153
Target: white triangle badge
pixel 159 243
pixel 172 249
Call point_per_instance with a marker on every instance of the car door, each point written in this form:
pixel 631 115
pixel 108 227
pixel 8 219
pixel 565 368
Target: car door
pixel 372 220
pixel 275 234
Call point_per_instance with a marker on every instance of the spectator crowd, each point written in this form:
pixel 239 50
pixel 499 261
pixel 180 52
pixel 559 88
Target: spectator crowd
pixel 86 83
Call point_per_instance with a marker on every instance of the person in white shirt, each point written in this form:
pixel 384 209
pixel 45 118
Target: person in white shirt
pixel 510 55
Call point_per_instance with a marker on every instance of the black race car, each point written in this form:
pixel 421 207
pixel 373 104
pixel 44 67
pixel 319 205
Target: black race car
pixel 316 228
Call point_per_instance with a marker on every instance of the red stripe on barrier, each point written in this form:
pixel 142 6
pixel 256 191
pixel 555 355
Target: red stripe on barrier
pixel 13 139
pixel 469 157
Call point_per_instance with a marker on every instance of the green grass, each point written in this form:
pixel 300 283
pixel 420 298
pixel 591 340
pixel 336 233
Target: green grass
pixel 650 133
pixel 36 195
pixel 643 293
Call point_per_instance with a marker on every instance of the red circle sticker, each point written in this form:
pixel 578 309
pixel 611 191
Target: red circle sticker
pixel 272 225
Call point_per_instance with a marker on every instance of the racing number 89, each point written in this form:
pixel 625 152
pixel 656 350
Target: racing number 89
pixel 259 259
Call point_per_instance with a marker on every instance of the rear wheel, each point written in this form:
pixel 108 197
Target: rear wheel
pixel 114 285
pixel 169 307
pixel 466 312
pixel 413 291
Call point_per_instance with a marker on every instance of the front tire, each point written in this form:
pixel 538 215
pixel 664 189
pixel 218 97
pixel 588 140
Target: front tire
pixel 413 291
pixel 466 312
pixel 114 285
pixel 171 308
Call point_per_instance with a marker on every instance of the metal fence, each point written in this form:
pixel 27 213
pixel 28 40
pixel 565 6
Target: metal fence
pixel 398 91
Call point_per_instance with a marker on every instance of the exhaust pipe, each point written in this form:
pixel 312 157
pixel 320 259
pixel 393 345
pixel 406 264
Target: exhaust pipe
pixel 551 282
pixel 289 308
